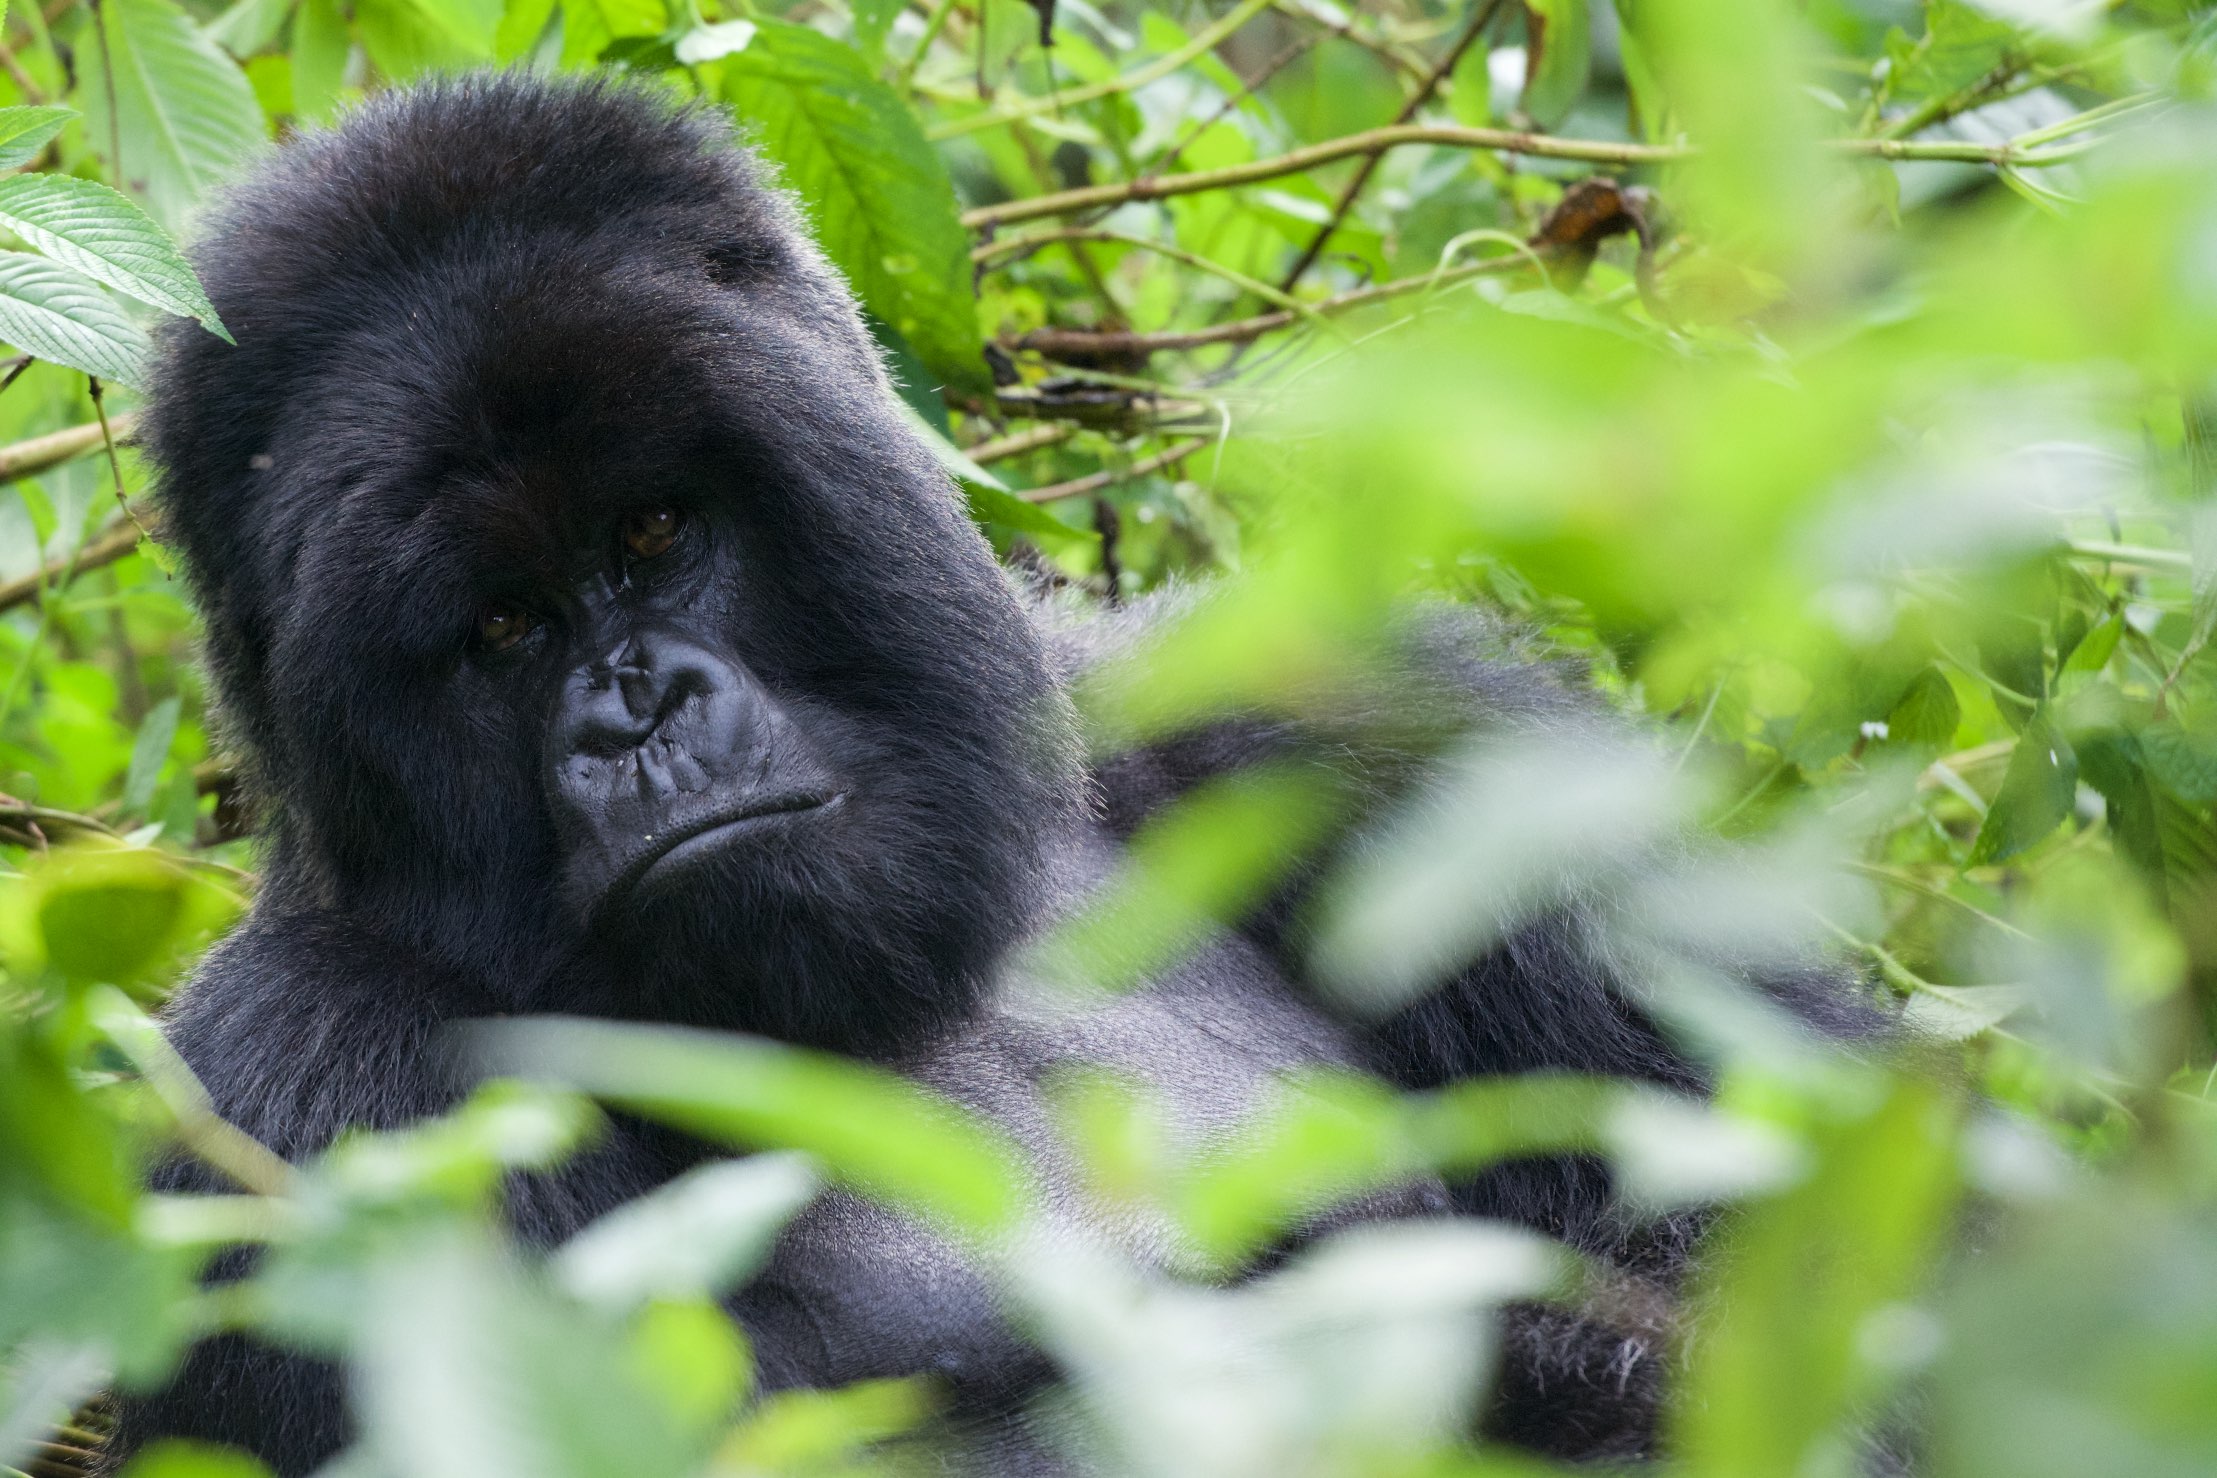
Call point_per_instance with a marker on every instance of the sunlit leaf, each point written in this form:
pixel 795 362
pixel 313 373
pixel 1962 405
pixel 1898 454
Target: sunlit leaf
pixel 184 116
pixel 55 314
pixel 877 193
pixel 25 131
pixel 86 225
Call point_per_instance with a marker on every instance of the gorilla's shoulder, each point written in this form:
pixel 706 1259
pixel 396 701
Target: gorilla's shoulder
pixel 1447 671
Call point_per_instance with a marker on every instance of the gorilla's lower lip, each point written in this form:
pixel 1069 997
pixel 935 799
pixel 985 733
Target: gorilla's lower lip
pixel 672 850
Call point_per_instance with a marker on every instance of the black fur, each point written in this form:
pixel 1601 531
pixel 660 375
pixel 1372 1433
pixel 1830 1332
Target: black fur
pixel 478 327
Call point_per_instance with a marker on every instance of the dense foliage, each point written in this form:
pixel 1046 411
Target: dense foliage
pixel 1836 380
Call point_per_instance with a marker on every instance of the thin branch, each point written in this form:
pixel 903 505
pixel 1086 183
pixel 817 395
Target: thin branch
pixel 2141 555
pixel 104 548
pixel 1054 102
pixel 1092 197
pixel 25 825
pixel 1344 27
pixel 24 82
pixel 993 250
pixel 1426 86
pixel 1300 47
pixel 1000 448
pixel 1099 343
pixel 1108 477
pixel 115 463
pixel 1945 106
pixel 39 453
pixel 1499 140
pixel 933 25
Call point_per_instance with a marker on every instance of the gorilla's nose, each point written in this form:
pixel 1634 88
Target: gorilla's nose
pixel 618 702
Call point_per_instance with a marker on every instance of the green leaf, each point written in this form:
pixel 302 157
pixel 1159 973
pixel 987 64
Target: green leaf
pixel 148 753
pixel 25 131
pixel 1800 1277
pixel 320 47
pixel 521 26
pixel 185 115
pixel 2093 650
pixel 991 502
pixel 1956 1013
pixel 2182 762
pixel 249 26
pixel 1558 57
pixel 1960 45
pixel 869 1128
pixel 589 27
pixel 1927 715
pixel 883 206
pixel 2112 763
pixel 85 225
pixel 51 312
pixel 193 1460
pixel 698 1236
pixel 872 19
pixel 408 37
pixel 996 507
pixel 2036 793
pixel 1470 88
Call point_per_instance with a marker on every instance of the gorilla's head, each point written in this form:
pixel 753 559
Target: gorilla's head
pixel 592 619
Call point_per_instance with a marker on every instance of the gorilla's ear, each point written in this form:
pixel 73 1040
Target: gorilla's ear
pixel 743 263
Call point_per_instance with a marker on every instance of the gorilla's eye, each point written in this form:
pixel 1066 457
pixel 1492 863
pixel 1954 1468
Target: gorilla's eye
pixel 651 532
pixel 501 627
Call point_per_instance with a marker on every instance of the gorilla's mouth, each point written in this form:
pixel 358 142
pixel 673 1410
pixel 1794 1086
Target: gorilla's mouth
pixel 670 853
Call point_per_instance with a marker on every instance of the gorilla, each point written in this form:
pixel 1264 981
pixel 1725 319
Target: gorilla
pixel 601 640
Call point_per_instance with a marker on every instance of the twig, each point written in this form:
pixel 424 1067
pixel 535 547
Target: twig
pixel 1093 482
pixel 1010 246
pixel 1499 140
pixel 1426 86
pixel 1344 27
pixel 1055 102
pixel 1101 343
pixel 1947 105
pixel 933 25
pixel 103 548
pixel 1017 443
pixel 39 453
pixel 24 82
pixel 115 463
pixel 2130 554
pixel 1247 89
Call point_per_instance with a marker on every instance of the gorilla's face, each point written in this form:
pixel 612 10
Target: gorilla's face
pixel 596 622
pixel 667 757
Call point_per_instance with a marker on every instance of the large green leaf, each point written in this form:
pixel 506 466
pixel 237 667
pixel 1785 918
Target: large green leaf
pixel 86 225
pixel 184 116
pixel 406 37
pixel 50 311
pixel 24 131
pixel 882 203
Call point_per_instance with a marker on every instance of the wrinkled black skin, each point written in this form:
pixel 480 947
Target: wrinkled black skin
pixel 477 329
